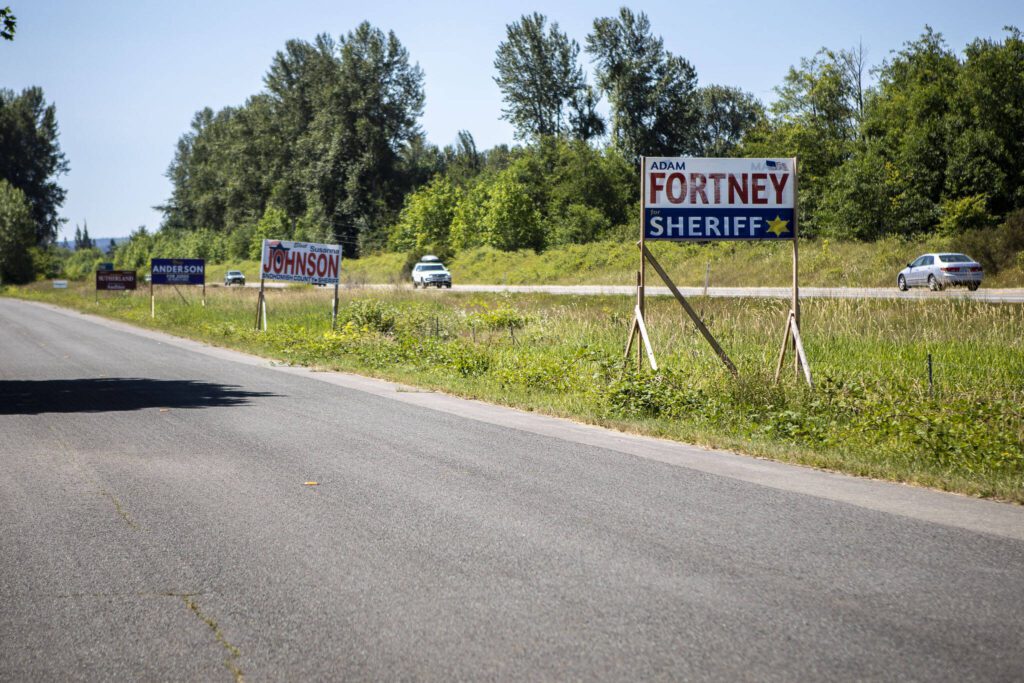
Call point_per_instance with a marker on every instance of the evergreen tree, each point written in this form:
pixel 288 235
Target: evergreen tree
pixel 86 240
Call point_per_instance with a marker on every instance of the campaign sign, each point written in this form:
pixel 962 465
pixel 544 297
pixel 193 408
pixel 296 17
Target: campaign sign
pixel 115 280
pixel 718 199
pixel 317 264
pixel 178 271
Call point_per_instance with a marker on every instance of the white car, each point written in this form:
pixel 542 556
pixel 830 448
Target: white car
pixel 937 271
pixel 431 273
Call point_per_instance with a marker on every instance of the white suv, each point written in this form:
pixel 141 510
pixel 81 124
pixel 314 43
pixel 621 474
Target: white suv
pixel 430 272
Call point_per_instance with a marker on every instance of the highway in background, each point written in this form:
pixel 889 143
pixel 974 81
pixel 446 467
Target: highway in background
pixel 171 511
pixel 989 295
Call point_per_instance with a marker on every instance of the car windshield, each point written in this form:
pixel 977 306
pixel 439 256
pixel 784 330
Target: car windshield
pixel 234 272
pixel 954 258
pixel 437 266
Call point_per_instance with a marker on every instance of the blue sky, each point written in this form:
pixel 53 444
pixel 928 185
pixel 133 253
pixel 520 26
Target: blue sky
pixel 127 76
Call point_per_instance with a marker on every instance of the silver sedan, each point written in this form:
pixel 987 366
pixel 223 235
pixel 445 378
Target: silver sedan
pixel 937 271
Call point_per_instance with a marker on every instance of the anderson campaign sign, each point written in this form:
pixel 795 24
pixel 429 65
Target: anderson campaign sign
pixel 317 264
pixel 718 199
pixel 178 271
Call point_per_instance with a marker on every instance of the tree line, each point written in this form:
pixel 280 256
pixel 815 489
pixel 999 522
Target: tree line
pixel 927 140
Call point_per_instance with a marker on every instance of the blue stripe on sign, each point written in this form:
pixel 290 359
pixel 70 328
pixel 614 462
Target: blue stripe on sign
pixel 718 224
pixel 178 271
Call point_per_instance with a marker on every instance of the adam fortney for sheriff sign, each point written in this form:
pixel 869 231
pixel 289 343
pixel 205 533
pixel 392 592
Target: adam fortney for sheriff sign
pixel 317 264
pixel 718 199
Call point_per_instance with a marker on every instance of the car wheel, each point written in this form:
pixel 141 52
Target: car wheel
pixel 933 284
pixel 973 286
pixel 901 282
pixel 449 285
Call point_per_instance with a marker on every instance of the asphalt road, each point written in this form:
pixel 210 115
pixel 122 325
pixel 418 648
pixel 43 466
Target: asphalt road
pixel 155 524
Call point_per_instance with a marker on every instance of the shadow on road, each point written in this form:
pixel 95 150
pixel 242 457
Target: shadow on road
pixel 32 397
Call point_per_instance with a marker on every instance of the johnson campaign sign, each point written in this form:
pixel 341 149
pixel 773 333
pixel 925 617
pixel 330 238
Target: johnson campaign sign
pixel 317 264
pixel 178 271
pixel 718 199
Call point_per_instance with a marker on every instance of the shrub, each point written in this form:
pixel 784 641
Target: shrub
pixel 995 248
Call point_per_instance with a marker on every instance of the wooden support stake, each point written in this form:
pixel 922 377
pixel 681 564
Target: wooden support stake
pixel 633 331
pixel 798 346
pixel 334 309
pixel 642 275
pixel 647 340
pixel 260 308
pixel 800 355
pixel 689 311
pixel 181 295
pixel 152 297
pixel 785 343
pixel 795 306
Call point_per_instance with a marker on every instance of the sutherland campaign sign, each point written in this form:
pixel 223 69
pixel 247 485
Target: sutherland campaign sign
pixel 115 280
pixel 718 199
pixel 317 264
pixel 178 271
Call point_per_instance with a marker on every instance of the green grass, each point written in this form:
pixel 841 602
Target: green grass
pixel 823 263
pixel 871 413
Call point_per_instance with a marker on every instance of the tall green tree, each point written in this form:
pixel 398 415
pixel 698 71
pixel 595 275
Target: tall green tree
pixel 727 115
pixel 31 158
pixel 909 117
pixel 542 82
pixel 815 118
pixel 986 124
pixel 333 142
pixel 463 161
pixel 653 93
pixel 354 145
pixel 17 235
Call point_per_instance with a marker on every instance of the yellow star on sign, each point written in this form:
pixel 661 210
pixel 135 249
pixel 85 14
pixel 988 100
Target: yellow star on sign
pixel 778 226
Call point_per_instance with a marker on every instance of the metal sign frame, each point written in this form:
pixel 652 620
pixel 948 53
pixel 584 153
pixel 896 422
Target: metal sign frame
pixel 638 327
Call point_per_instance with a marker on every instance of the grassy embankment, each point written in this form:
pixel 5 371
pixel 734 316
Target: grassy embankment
pixel 734 264
pixel 823 263
pixel 871 413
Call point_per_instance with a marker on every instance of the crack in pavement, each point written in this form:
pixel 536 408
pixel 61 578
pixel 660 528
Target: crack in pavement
pixel 234 654
pixel 120 510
